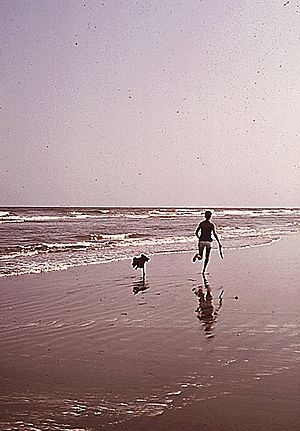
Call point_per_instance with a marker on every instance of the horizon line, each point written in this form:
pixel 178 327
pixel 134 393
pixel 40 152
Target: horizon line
pixel 152 206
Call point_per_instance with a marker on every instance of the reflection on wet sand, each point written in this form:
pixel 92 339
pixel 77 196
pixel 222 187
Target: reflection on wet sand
pixel 207 313
pixel 139 286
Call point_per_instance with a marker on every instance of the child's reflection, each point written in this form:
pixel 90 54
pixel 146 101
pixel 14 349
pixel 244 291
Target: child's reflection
pixel 207 313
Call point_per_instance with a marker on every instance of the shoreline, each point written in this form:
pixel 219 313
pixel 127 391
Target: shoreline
pixel 95 347
pixel 129 259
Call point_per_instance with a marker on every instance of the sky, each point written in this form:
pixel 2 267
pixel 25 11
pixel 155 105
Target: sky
pixel 150 103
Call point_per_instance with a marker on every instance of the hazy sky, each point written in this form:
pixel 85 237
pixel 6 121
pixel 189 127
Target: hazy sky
pixel 150 102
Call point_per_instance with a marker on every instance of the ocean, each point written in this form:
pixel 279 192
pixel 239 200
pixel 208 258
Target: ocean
pixel 34 240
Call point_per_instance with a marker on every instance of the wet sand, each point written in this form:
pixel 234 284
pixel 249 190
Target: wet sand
pixel 95 348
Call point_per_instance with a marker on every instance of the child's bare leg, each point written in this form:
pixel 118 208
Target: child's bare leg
pixel 200 254
pixel 207 254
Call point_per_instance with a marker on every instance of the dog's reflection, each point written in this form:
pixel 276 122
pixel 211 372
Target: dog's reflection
pixel 139 286
pixel 207 313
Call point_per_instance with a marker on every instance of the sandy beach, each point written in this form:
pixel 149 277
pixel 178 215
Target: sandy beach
pixel 95 348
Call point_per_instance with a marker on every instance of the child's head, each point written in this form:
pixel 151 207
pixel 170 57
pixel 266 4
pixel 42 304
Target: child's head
pixel 208 215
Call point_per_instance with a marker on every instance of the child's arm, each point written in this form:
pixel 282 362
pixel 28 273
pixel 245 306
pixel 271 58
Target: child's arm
pixel 216 236
pixel 220 245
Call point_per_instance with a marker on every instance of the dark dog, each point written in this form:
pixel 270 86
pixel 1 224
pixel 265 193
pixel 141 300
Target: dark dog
pixel 139 262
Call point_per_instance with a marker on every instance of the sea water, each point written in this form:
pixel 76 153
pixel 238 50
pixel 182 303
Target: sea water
pixel 34 240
